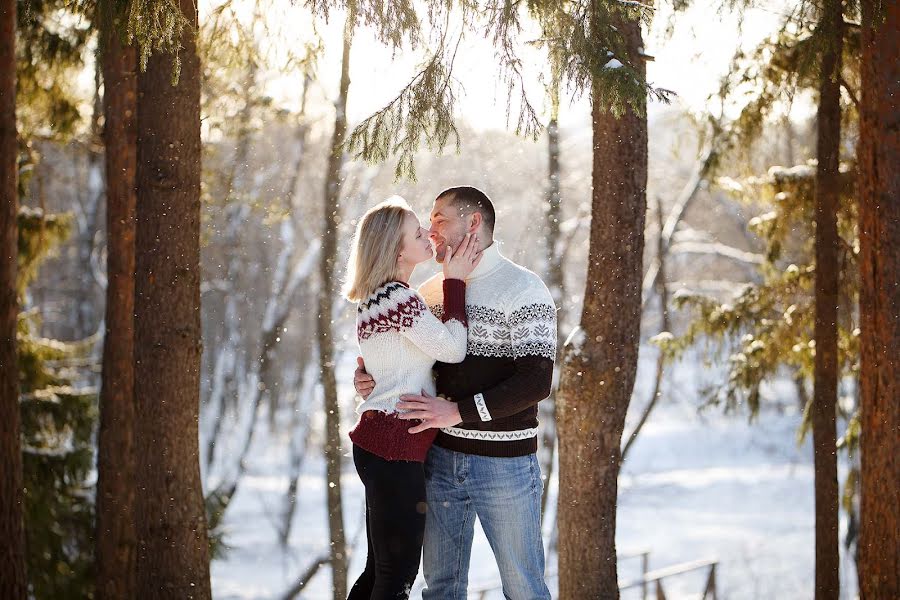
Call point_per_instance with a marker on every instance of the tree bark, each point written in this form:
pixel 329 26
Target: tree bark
pixel 327 290
pixel 825 372
pixel 173 547
pixel 879 236
pixel 601 361
pixel 13 582
pixel 116 538
pixel 556 283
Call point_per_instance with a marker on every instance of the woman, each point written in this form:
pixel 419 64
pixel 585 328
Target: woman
pixel 399 339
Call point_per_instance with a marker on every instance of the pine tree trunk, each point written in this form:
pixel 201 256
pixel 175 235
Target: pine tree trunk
pixel 12 532
pixel 825 376
pixel 879 233
pixel 327 291
pixel 600 366
pixel 116 542
pixel 173 549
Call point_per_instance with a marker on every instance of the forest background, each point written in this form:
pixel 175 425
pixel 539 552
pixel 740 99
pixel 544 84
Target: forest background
pixel 747 122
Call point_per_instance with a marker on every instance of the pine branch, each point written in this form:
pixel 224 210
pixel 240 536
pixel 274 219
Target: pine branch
pixel 422 109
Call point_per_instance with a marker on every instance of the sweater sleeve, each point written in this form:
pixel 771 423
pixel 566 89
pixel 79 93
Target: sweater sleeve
pixel 532 325
pixel 442 339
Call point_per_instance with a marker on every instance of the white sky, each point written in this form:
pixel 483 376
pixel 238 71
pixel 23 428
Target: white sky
pixel 691 62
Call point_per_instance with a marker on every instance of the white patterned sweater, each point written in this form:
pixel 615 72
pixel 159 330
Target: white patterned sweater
pixel 400 340
pixel 508 366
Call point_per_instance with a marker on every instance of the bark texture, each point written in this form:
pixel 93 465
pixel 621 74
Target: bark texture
pixel 556 282
pixel 879 236
pixel 13 583
pixel 173 549
pixel 116 538
pixel 825 372
pixel 327 291
pixel 601 362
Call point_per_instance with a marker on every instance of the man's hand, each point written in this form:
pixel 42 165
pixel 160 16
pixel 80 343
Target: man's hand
pixel 433 411
pixel 362 381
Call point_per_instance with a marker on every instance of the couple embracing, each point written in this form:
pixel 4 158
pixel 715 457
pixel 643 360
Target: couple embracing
pixel 450 376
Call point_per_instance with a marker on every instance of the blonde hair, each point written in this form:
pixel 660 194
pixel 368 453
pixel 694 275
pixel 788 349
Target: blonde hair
pixel 376 246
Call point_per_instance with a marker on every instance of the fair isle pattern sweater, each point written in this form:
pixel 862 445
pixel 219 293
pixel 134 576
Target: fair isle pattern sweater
pixel 400 340
pixel 508 366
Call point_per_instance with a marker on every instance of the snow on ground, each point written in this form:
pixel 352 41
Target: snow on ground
pixel 694 486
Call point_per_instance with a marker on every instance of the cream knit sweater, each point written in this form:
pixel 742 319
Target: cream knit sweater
pixel 400 340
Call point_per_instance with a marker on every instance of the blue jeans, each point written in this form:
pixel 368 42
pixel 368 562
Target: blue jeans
pixel 505 495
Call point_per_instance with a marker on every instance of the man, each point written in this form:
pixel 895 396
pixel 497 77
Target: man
pixel 483 462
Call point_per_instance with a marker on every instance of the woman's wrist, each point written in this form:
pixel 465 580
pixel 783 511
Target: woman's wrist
pixel 455 300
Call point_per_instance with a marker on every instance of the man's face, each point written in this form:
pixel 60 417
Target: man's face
pixel 448 227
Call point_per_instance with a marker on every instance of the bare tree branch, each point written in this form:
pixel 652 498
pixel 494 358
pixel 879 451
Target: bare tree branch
pixel 687 195
pixel 717 249
pixel 306 577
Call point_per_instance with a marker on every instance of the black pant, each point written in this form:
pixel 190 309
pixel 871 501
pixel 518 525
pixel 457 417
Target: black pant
pixel 395 525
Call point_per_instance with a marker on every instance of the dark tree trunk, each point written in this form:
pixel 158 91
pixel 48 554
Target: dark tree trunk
pixel 879 236
pixel 825 376
pixel 116 542
pixel 12 532
pixel 599 367
pixel 173 548
pixel 327 291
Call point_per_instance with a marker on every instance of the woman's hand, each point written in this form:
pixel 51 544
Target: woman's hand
pixel 459 262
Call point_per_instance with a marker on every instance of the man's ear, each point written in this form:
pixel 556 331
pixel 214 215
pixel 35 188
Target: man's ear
pixel 476 222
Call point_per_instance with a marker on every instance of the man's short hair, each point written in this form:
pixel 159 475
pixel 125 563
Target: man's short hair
pixel 468 199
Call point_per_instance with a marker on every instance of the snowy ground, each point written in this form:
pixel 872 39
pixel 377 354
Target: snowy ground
pixel 694 487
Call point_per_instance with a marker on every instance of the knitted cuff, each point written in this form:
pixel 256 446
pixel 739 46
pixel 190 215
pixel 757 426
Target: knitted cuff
pixel 455 301
pixel 467 410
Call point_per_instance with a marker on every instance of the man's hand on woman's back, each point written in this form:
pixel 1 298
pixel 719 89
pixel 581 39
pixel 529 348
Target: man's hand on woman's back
pixel 362 381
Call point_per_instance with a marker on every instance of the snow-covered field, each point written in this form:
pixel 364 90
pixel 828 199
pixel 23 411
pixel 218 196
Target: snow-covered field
pixel 695 486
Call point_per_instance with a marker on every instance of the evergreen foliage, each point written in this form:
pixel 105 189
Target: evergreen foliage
pixel 768 329
pixel 769 325
pixel 578 56
pixel 50 47
pixel 589 50
pixel 57 428
pixel 423 109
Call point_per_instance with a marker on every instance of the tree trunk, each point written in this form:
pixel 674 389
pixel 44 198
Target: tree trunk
pixel 173 549
pixel 13 584
pixel 879 233
pixel 601 360
pixel 556 283
pixel 327 290
pixel 227 353
pixel 116 541
pixel 825 375
pixel 662 289
pixel 299 432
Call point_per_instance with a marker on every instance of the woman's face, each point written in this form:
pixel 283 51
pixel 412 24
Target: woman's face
pixel 415 246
